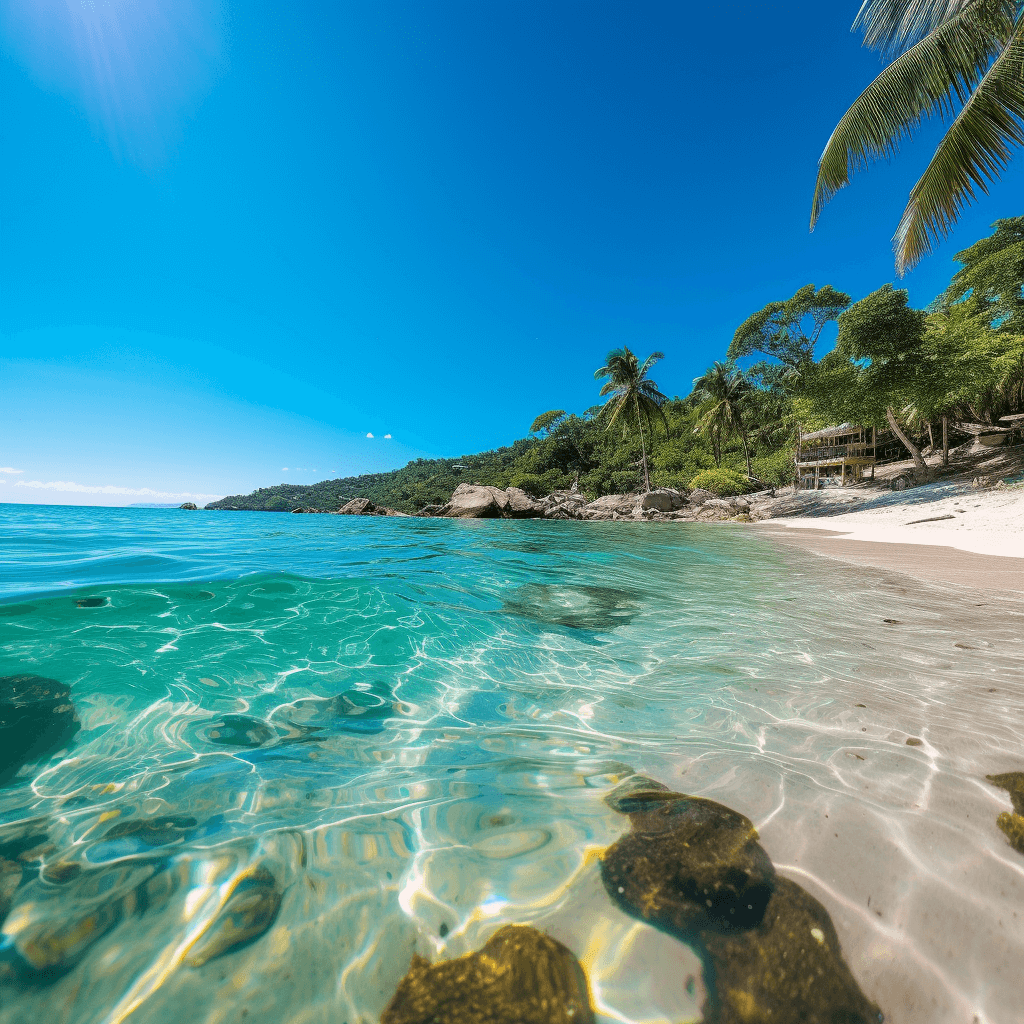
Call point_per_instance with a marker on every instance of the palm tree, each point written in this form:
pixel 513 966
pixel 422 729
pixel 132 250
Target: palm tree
pixel 723 392
pixel 635 399
pixel 949 53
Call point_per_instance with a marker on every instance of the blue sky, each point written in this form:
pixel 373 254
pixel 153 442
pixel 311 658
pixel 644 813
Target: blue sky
pixel 239 238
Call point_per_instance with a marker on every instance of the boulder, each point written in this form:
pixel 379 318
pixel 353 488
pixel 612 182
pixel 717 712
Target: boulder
pixel 357 507
pixel 699 496
pixel 611 506
pixel 521 505
pixel 718 503
pixel 664 499
pixel 474 501
pixel 190 506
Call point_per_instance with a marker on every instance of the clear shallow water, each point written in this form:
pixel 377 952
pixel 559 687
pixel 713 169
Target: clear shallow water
pixel 500 677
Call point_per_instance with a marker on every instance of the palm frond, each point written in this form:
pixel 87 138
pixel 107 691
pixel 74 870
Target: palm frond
pixel 891 25
pixel 973 152
pixel 944 66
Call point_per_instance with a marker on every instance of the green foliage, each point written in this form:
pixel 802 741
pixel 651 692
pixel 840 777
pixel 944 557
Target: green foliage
pixel 993 275
pixel 723 482
pixel 775 468
pixel 788 331
pixel 544 422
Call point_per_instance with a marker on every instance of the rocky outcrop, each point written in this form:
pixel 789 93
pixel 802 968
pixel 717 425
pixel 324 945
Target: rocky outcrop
pixel 358 507
pixel 189 506
pixel 475 501
pixel 521 505
pixel 698 496
pixel 664 499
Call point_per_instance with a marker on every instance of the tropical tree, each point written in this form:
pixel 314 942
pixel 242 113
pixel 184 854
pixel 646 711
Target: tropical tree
pixel 993 275
pixel 949 54
pixel 723 392
pixel 787 332
pixel 633 399
pixel 882 340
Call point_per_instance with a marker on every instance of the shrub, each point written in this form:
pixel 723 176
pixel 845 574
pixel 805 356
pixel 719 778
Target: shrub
pixel 723 482
pixel 538 484
pixel 775 469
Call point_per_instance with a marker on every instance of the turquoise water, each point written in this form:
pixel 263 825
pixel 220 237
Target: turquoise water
pixel 312 745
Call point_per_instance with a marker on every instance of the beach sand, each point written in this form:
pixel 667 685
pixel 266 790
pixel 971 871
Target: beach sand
pixel 943 533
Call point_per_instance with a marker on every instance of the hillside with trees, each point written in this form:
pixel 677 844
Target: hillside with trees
pixel 892 367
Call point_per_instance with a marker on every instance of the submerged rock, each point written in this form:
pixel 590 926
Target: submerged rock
pixel 90 602
pixel 521 976
pixel 239 731
pixel 37 718
pixel 251 908
pixel 154 831
pixel 1012 825
pixel 695 869
pixel 787 970
pixel 688 864
pixel 365 711
pixel 575 607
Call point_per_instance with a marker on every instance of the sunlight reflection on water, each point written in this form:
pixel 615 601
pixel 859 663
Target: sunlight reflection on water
pixel 315 753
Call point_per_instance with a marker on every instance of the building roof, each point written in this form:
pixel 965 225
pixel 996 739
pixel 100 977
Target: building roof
pixel 843 428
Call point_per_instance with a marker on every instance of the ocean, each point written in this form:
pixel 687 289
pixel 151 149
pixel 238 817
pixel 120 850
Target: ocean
pixel 291 751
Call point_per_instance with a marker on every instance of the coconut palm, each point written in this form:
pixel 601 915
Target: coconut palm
pixel 635 400
pixel 723 393
pixel 949 54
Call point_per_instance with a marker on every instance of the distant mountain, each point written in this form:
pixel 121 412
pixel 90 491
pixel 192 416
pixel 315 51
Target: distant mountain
pixel 149 504
pixel 422 482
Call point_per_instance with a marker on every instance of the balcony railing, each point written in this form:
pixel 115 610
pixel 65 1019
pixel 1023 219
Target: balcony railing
pixel 835 451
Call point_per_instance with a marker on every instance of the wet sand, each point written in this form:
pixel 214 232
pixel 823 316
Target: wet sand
pixel 931 562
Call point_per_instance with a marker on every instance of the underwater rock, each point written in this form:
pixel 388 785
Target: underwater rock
pixel 787 970
pixel 10 879
pixel 250 909
pixel 239 731
pixel 1013 783
pixel 687 864
pixel 694 868
pixel 154 831
pixel 575 607
pixel 1012 825
pixel 521 976
pixel 37 718
pixel 90 602
pixel 52 936
pixel 366 711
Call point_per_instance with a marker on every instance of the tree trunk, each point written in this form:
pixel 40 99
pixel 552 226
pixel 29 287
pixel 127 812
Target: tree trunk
pixel 643 449
pixel 716 445
pixel 920 465
pixel 945 440
pixel 931 436
pixel 746 451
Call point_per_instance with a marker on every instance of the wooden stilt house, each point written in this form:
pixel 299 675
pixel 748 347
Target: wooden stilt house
pixel 835 456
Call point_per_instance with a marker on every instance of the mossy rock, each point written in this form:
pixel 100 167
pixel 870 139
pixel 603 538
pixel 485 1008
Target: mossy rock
pixel 1012 826
pixel 787 970
pixel 37 718
pixel 687 864
pixel 520 976
pixel 249 911
pixel 1013 783
pixel 154 831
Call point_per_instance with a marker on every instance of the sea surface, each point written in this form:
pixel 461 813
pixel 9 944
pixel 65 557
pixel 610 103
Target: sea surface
pixel 310 746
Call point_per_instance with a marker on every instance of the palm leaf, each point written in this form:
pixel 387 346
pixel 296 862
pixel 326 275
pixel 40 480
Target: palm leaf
pixel 890 25
pixel 948 63
pixel 973 152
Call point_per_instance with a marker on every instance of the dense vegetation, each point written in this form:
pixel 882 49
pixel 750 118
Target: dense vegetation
pixel 893 367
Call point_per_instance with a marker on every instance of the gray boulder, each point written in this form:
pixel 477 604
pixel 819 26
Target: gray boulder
pixel 190 506
pixel 664 499
pixel 357 507
pixel 475 501
pixel 699 496
pixel 521 506
pixel 611 506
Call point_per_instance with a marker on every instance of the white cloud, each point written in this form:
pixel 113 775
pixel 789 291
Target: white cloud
pixel 387 437
pixel 284 469
pixel 69 487
pixel 7 469
pixel 370 436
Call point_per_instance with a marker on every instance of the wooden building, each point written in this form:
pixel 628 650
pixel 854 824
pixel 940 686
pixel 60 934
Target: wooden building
pixel 835 456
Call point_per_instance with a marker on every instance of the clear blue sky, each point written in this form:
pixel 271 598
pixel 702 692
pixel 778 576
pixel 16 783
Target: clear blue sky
pixel 238 238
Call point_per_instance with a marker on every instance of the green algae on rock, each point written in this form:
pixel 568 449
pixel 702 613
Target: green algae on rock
pixel 250 909
pixel 520 976
pixel 1012 825
pixel 1013 783
pixel 787 970
pixel 37 718
pixel 695 869
pixel 154 831
pixel 687 864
